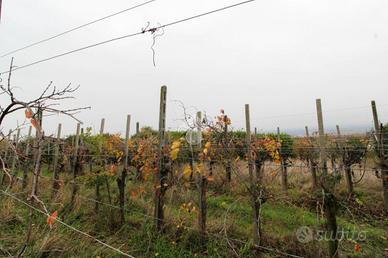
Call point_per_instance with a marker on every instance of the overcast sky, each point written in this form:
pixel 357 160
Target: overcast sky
pixel 276 55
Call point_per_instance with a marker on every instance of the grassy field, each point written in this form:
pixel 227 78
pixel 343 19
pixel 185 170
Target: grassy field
pixel 229 222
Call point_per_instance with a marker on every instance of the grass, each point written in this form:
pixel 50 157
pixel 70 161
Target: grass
pixel 229 218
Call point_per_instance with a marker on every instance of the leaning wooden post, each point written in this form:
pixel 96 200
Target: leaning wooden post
pixel 74 167
pixel 202 187
pixel 137 127
pixel 121 180
pixel 27 159
pixel 379 134
pixel 329 200
pixel 56 183
pixel 283 167
pixel 161 176
pixel 98 183
pixel 253 182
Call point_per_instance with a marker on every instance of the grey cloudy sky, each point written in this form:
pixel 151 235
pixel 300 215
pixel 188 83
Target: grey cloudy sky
pixel 278 56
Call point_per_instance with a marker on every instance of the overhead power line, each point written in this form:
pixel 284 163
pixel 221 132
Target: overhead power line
pixel 76 28
pixel 143 31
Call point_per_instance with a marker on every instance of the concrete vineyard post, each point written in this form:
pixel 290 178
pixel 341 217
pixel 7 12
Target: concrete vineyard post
pixel 126 148
pixel 306 128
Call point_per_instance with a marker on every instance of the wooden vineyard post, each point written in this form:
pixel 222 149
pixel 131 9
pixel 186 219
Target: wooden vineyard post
pixel 312 163
pixel 27 159
pixel 255 131
pixel 161 176
pixel 137 128
pixel 253 182
pixel 56 183
pixel 283 166
pixel 321 132
pixel 98 183
pixel 75 165
pixel 202 187
pixel 15 159
pixel 124 172
pixel 383 162
pixel 329 200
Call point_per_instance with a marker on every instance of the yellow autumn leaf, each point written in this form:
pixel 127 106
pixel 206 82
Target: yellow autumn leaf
pixel 187 172
pixel 199 168
pixel 174 154
pixel 176 145
pixel 207 145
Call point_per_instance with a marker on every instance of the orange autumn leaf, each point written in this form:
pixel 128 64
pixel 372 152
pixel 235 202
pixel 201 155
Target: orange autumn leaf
pixel 34 123
pixel 357 248
pixel 133 194
pixel 28 113
pixel 210 178
pixel 52 217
